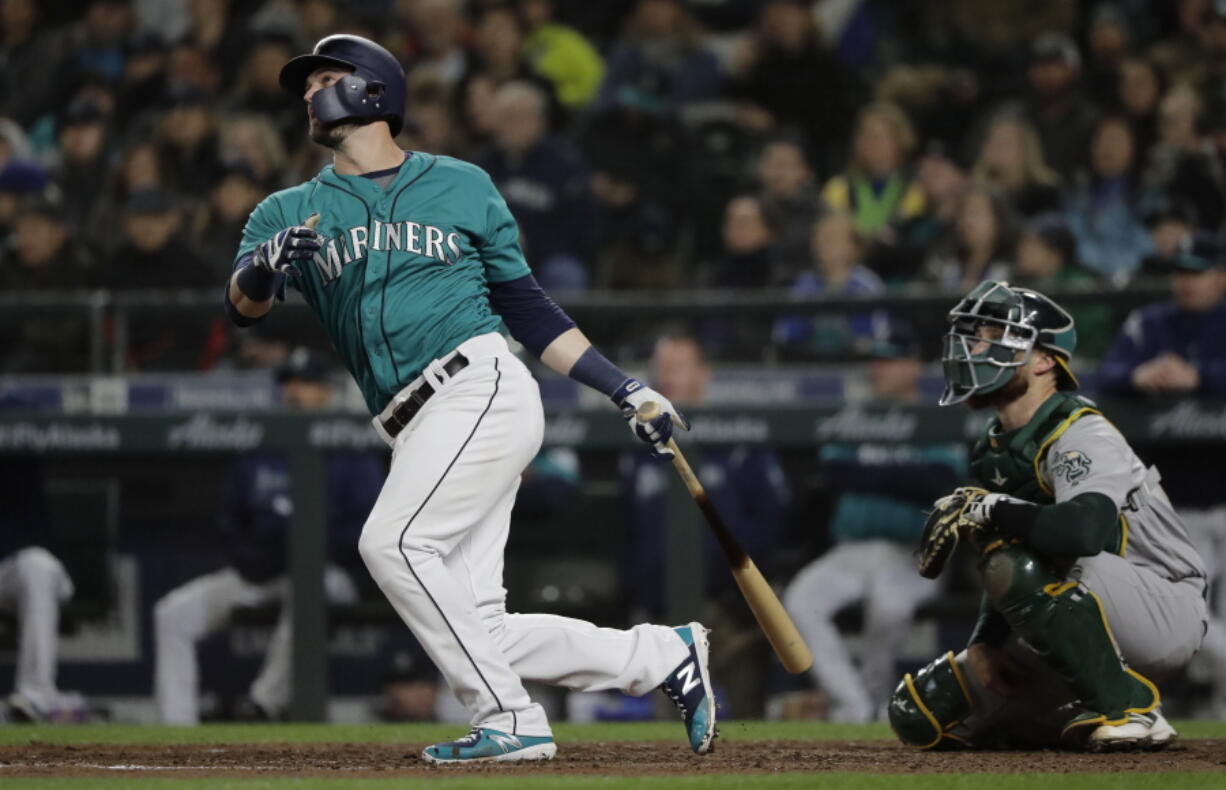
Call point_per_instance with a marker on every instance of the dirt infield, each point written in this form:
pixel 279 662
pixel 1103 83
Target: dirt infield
pixel 373 760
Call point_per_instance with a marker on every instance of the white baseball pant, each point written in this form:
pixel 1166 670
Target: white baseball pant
pixel 193 611
pixel 33 583
pixel 434 544
pixel 881 573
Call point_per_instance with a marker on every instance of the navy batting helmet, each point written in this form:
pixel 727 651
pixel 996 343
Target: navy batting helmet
pixel 375 89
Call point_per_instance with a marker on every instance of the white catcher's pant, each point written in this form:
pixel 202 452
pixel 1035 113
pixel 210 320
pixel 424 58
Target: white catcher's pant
pixel 194 610
pixel 881 573
pixel 434 544
pixel 33 583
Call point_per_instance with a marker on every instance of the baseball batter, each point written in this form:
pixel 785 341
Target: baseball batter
pixel 412 264
pixel 1092 589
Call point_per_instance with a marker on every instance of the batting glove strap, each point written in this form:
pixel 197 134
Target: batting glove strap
pixel 282 251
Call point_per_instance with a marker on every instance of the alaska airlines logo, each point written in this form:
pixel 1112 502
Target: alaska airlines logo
pixel 413 237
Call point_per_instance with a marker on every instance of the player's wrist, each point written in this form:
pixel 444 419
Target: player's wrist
pixel 596 371
pixel 257 283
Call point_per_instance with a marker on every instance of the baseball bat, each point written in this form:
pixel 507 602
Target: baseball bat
pixel 767 609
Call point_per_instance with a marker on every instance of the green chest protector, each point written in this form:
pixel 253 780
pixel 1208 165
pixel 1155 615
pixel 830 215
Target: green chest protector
pixel 1009 462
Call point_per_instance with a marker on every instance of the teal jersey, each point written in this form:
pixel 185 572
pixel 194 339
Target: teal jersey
pixel 876 514
pixel 403 274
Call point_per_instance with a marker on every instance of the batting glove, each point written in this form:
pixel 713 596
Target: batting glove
pixel 279 254
pixel 657 431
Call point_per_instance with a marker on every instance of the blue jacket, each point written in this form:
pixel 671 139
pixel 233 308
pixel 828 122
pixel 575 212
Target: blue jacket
pixel 1200 338
pixel 748 488
pixel 256 511
pixel 547 191
pixel 1111 239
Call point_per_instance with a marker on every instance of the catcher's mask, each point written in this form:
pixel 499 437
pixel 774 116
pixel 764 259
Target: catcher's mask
pixel 994 330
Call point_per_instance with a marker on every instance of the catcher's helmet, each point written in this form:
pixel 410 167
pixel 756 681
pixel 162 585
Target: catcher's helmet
pixel 375 89
pixel 978 362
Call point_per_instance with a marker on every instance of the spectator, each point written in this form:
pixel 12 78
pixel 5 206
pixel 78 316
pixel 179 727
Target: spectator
pixel 1103 210
pixel 254 520
pixel 786 79
pixel 899 260
pixel 33 586
pixel 748 238
pixel 218 34
pixel 660 64
pixel 560 54
pixel 19 181
pixel 81 174
pixel 1176 346
pixel 187 141
pixel 436 48
pixel 545 184
pixel 979 245
pixel 497 55
pixel 877 189
pixel 253 141
pixel 43 256
pixel 31 79
pixel 1047 261
pixel 881 492
pixel 837 251
pixel 1178 118
pixel 789 201
pixel 1170 222
pixel 97 42
pixel 1183 56
pixel 1199 177
pixel 1140 91
pixel 1109 42
pixel 219 224
pixel 259 89
pixel 138 170
pixel 1011 160
pixel 153 254
pixel 143 82
pixel 1063 118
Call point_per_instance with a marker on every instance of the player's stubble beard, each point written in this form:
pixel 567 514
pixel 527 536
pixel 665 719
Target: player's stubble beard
pixel 330 135
pixel 1016 387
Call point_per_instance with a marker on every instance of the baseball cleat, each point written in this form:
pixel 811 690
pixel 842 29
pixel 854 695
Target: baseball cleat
pixel 689 687
pixel 485 745
pixel 1150 731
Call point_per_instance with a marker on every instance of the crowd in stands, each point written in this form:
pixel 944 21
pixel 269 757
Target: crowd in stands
pixel 826 147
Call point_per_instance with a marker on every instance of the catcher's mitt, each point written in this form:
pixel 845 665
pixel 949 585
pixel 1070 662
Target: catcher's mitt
pixel 941 530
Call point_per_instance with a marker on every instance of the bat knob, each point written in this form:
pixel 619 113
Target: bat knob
pixel 648 411
pixel 312 221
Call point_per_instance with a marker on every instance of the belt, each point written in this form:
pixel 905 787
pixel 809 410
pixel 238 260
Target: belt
pixel 403 414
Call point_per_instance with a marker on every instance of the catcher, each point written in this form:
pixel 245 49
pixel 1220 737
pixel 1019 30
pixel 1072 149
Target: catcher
pixel 1091 587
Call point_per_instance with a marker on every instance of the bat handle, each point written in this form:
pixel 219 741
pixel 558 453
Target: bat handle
pixel 649 411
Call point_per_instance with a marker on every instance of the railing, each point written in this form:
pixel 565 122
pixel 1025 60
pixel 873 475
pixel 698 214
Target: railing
pixel 116 309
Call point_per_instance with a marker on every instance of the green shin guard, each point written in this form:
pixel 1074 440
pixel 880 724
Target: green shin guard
pixel 926 706
pixel 1065 623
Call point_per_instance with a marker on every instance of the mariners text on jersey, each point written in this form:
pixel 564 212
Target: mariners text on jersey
pixel 406 236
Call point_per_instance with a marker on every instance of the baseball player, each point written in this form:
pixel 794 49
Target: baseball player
pixel 254 521
pixel 413 268
pixel 875 522
pixel 33 586
pixel 1091 587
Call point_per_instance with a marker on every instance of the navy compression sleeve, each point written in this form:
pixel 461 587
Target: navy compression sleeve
pixel 531 316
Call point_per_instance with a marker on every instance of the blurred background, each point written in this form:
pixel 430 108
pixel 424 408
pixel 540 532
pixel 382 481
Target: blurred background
pixel 765 206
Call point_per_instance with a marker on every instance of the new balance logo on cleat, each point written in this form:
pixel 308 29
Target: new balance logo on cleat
pixel 507 742
pixel 689 687
pixel 689 673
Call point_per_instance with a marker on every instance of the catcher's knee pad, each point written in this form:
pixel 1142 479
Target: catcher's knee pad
pixel 1012 573
pixel 927 706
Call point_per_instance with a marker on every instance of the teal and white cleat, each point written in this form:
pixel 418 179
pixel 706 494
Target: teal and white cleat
pixel 689 687
pixel 483 745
